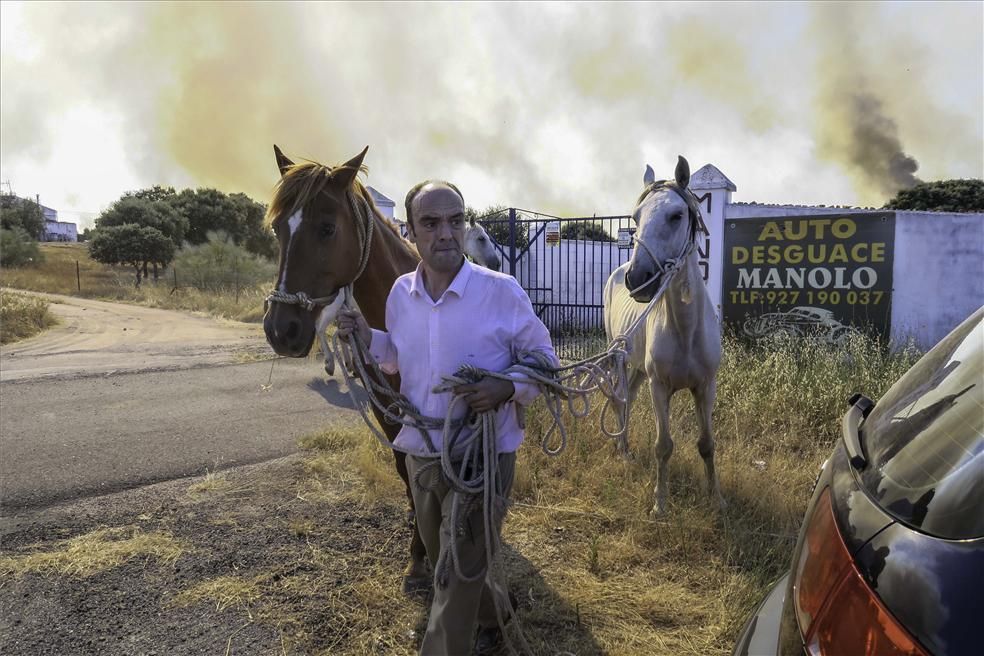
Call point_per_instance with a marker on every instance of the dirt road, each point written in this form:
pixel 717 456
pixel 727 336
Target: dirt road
pixel 96 337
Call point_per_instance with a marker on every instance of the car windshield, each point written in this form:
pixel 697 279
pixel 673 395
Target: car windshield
pixel 925 439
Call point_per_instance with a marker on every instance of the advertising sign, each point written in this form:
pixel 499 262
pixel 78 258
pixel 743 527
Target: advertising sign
pixel 821 275
pixel 553 233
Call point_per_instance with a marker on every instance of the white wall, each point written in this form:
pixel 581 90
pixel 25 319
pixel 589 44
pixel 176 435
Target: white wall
pixel 60 231
pixel 938 273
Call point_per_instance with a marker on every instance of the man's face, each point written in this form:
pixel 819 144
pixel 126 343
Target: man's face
pixel 438 227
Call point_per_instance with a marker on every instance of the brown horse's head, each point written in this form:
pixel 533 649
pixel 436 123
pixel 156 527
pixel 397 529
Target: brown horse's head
pixel 313 215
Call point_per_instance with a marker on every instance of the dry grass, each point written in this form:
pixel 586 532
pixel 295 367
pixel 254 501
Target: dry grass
pixel 211 482
pixel 595 572
pixel 94 552
pixel 23 316
pixel 57 274
pixel 224 591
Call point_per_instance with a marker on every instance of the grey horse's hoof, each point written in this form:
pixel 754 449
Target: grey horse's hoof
pixel 656 511
pixel 417 586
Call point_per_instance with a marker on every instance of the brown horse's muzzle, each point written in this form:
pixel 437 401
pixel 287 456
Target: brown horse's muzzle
pixel 289 329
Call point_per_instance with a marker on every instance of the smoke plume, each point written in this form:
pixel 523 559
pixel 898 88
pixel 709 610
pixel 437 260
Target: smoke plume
pixel 555 108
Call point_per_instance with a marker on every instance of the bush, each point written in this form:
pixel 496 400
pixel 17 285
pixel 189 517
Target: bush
pixel 17 249
pixel 21 213
pixel 219 264
pixel 22 316
pixel 941 196
pixel 585 230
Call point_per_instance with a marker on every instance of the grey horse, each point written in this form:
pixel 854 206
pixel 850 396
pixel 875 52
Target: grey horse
pixel 677 345
pixel 480 247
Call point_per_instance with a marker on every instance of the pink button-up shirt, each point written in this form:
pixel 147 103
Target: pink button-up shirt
pixel 484 318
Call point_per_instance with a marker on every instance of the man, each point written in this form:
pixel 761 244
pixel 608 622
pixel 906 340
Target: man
pixel 447 313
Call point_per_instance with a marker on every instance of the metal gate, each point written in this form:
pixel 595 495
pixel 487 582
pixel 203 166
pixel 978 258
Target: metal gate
pixel 563 265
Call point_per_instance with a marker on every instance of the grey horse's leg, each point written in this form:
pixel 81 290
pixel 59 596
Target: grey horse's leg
pixel 664 443
pixel 624 409
pixel 704 405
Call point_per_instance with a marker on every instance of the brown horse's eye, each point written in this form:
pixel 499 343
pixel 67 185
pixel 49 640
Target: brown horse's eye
pixel 327 230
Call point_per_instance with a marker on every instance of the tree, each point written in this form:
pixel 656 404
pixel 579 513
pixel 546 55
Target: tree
pixel 941 196
pixel 495 220
pixel 155 193
pixel 134 245
pixel 147 213
pixel 236 215
pixel 18 249
pixel 24 214
pixel 584 230
pixel 257 238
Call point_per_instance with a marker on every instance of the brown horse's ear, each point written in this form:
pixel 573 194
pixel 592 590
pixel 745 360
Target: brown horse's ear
pixel 283 163
pixel 346 172
pixel 682 173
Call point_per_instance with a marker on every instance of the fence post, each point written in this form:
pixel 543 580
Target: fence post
pixel 237 285
pixel 512 242
pixel 78 276
pixel 174 270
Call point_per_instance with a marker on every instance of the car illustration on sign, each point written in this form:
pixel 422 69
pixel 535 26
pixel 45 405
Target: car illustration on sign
pixel 800 321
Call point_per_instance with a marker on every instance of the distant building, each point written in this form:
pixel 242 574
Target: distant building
pixel 54 230
pixel 385 206
pixel 60 231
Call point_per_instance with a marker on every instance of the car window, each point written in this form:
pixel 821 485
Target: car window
pixel 925 440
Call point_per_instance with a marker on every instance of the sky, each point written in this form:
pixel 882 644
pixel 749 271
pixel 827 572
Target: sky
pixel 555 108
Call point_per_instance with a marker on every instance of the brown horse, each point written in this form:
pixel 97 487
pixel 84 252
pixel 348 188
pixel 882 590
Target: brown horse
pixel 321 217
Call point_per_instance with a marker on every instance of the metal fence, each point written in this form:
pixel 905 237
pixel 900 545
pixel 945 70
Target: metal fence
pixel 564 275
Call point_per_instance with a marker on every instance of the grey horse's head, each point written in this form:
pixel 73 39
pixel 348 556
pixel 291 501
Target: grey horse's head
pixel 480 247
pixel 666 217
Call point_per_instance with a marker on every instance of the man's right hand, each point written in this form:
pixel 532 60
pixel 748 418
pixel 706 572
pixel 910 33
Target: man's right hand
pixel 352 321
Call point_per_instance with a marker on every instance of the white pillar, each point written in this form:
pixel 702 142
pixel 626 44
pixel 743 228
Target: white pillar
pixel 713 190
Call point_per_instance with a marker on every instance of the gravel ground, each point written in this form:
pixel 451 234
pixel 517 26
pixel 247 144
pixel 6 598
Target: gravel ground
pixel 242 528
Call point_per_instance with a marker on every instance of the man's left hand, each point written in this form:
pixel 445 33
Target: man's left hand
pixel 487 394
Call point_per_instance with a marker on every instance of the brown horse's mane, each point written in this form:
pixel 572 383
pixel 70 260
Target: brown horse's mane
pixel 303 181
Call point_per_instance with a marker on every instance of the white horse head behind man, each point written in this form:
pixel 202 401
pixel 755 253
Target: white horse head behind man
pixel 677 345
pixel 480 247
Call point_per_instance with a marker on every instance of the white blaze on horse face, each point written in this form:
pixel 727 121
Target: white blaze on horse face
pixel 294 222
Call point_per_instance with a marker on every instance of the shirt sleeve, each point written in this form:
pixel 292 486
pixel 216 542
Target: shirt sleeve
pixel 381 348
pixel 529 334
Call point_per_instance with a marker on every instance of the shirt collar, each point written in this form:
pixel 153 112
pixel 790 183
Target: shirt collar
pixel 457 285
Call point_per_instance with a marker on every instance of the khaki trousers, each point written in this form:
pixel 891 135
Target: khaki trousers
pixel 459 606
